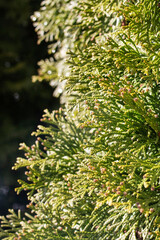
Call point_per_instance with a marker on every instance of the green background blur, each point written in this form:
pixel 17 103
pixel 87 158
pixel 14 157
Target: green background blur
pixel 22 102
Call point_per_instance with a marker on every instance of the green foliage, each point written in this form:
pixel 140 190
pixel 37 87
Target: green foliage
pixel 22 102
pixel 93 172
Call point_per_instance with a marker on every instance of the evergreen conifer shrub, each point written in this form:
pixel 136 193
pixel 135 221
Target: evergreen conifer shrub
pixel 93 172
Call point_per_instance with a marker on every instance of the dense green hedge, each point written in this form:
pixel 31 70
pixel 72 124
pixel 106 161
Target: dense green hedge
pixel 93 172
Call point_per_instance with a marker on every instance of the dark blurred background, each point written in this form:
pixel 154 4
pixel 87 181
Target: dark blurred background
pixel 21 102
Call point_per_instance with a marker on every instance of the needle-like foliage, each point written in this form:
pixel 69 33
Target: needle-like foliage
pixel 94 170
